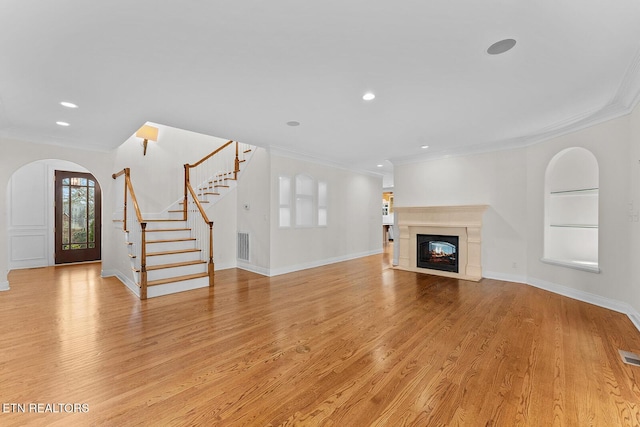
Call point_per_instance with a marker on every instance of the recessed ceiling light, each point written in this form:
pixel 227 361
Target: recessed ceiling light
pixel 68 104
pixel 501 47
pixel 293 123
pixel 368 96
pixel 62 123
pixel 380 166
pixel 424 146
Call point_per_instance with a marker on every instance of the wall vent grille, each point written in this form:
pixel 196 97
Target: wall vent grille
pixel 629 358
pixel 243 246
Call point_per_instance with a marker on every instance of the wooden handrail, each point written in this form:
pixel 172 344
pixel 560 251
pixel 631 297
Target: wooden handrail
pixel 208 156
pixel 117 174
pixel 134 199
pixel 198 204
pixel 128 186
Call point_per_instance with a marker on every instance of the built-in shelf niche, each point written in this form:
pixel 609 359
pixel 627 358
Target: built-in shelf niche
pixel 571 210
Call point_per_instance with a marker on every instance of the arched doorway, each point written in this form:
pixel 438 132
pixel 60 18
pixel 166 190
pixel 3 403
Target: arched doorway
pixel 31 213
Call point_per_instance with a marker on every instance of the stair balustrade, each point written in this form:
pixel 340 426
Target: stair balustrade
pixel 134 234
pixel 211 173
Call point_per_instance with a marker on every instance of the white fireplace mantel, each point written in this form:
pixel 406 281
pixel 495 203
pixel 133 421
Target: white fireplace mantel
pixel 462 221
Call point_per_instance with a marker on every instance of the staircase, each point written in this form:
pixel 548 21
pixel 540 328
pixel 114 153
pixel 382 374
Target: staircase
pixel 175 253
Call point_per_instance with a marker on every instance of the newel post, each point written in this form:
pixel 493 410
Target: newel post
pixel 210 266
pixel 236 164
pixel 143 262
pixel 184 201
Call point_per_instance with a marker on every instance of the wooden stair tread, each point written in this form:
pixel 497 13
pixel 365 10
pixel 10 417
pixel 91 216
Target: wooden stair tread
pixel 171 265
pixel 174 252
pixel 220 185
pixel 186 239
pixel 175 264
pixel 163 220
pixel 176 279
pixel 182 203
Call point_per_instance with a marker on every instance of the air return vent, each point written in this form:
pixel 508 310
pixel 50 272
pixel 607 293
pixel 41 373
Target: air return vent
pixel 243 246
pixel 629 358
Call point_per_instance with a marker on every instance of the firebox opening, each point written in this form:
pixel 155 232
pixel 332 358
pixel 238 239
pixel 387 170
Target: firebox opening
pixel 438 252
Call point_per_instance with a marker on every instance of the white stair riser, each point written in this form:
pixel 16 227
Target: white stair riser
pixel 166 273
pixel 172 288
pixel 175 215
pixel 172 258
pixel 170 246
pixel 165 235
pixel 163 225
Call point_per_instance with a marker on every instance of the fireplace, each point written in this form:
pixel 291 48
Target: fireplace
pixel 437 252
pixel 439 224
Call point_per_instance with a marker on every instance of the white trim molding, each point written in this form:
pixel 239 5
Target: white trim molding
pixel 304 266
pixel 588 297
pixel 134 288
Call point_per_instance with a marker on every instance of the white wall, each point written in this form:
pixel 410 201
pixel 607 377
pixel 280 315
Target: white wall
pixel 15 154
pixel 498 181
pixel 512 184
pixel 158 177
pixel 609 143
pixel 354 221
pixel 224 216
pixel 632 162
pixel 254 201
pixel 31 204
pixel 354 229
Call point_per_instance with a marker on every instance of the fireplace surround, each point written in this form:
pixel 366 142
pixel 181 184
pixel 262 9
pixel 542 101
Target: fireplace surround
pixel 463 222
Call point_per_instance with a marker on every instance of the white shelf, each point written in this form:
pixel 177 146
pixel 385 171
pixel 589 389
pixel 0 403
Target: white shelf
pixel 576 192
pixel 574 225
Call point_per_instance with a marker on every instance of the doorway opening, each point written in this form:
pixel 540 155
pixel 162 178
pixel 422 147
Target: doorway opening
pixel 77 217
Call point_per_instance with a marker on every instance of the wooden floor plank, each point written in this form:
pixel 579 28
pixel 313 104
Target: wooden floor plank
pixel 350 344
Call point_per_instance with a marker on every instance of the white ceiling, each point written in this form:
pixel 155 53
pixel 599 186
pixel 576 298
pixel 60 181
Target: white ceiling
pixel 242 69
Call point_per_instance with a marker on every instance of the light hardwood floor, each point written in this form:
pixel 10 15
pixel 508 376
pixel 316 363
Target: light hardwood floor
pixel 351 344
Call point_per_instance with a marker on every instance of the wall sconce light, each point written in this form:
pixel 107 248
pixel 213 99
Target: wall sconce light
pixel 148 133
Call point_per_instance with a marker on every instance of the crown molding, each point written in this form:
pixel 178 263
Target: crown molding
pixel 621 104
pixel 628 94
pixel 283 152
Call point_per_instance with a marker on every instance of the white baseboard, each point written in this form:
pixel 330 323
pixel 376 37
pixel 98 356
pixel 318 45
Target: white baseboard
pixel 253 268
pixel 304 266
pixel 588 297
pixel 504 277
pixel 600 301
pixel 133 287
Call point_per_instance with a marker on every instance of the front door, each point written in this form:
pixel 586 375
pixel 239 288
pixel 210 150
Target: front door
pixel 78 222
